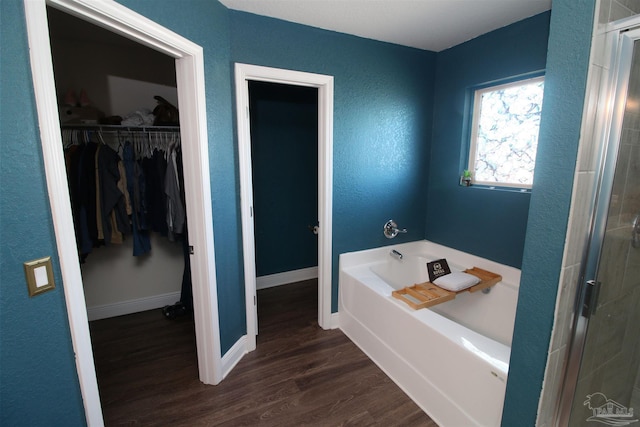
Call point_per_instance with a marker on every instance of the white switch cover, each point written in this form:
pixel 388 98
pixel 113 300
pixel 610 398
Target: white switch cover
pixel 41 276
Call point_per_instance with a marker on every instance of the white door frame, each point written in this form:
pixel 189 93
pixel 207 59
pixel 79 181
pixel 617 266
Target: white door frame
pixel 243 74
pixel 191 97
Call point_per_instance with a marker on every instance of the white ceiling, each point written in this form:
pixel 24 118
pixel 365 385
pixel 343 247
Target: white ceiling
pixel 425 24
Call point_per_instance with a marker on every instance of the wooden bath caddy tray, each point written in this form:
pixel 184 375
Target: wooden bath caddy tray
pixel 427 294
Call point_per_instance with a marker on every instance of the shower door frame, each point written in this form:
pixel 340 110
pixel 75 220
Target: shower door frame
pixel 617 57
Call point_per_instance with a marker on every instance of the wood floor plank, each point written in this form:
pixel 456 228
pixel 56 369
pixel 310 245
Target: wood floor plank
pixel 299 374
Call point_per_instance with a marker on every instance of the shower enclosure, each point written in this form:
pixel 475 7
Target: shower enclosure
pixel 602 383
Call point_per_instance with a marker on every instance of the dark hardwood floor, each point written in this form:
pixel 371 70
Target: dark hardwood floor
pixel 298 375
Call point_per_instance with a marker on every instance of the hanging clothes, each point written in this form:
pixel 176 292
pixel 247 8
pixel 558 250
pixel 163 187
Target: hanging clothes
pixel 99 206
pixel 175 204
pixel 128 192
pixel 115 221
pixel 185 305
pixel 86 199
pixel 154 169
pixel 135 181
pixel 133 190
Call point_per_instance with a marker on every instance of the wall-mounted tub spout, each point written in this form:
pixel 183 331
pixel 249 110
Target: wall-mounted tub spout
pixel 391 229
pixel 395 254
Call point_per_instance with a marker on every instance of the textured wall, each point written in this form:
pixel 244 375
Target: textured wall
pixel 567 64
pixel 382 123
pixel 35 348
pixel 383 114
pixel 383 104
pixel 609 369
pixel 487 223
pixel 38 380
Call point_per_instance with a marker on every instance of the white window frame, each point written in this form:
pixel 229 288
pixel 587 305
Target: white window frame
pixel 475 117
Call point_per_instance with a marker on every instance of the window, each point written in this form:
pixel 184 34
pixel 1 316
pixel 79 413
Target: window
pixel 504 133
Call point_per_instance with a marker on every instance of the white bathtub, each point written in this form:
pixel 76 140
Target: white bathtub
pixel 451 359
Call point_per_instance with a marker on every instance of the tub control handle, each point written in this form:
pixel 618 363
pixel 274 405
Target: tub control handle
pixel 391 229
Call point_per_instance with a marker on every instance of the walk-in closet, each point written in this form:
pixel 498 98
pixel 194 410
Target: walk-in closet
pixel 119 118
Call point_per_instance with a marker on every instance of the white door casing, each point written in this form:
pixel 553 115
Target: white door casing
pixel 243 74
pixel 191 92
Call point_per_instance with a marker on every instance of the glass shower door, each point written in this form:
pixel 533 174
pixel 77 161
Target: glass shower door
pixel 607 391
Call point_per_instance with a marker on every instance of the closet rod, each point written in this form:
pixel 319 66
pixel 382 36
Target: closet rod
pixel 116 128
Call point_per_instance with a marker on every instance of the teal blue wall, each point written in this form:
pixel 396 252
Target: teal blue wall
pixel 383 104
pixel 284 152
pixel 36 356
pixel 383 117
pixel 487 223
pixel 38 380
pixel 382 123
pixel 565 83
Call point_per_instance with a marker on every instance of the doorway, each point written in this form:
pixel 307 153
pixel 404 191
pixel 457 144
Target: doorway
pixel 137 262
pixel 190 82
pixel 106 106
pixel 602 382
pixel 324 84
pixel 284 154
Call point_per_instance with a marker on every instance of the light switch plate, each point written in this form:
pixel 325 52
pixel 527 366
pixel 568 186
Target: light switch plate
pixel 39 275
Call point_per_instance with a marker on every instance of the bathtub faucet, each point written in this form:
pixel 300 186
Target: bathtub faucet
pixel 395 254
pixel 391 229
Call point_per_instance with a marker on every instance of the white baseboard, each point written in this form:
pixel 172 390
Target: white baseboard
pixel 271 280
pixel 234 355
pixel 132 306
pixel 335 320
